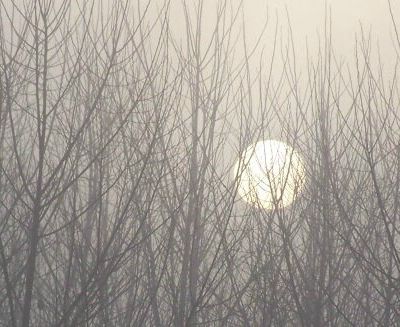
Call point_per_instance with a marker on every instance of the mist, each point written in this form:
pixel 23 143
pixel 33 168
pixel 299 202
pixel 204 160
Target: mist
pixel 127 188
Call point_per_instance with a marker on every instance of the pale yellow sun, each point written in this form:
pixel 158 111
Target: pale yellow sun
pixel 270 174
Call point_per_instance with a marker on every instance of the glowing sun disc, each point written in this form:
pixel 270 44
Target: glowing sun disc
pixel 270 174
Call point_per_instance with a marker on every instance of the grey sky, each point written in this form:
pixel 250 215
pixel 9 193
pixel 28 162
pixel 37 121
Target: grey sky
pixel 307 18
pixel 307 21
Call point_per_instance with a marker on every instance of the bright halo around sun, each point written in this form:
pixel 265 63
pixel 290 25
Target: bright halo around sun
pixel 270 174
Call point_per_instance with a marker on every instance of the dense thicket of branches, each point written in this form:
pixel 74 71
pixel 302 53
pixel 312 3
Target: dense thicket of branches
pixel 118 204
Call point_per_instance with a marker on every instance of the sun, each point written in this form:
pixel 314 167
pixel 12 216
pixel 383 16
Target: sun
pixel 270 174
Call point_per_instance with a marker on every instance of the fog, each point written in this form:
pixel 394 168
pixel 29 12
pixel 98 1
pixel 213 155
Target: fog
pixel 120 125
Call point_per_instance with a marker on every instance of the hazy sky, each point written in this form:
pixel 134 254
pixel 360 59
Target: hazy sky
pixel 307 17
pixel 307 20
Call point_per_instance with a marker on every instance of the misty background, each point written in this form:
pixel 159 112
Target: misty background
pixel 120 124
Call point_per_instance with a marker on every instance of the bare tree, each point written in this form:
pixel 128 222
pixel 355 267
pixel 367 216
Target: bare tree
pixel 118 195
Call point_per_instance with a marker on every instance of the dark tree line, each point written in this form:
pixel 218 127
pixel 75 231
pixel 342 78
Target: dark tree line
pixel 118 200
